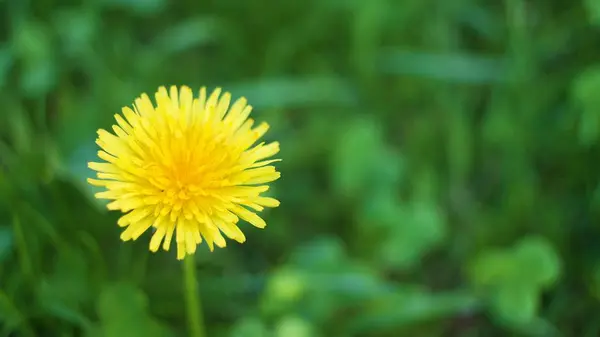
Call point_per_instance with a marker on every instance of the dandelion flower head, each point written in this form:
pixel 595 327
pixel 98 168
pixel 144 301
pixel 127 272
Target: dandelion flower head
pixel 186 166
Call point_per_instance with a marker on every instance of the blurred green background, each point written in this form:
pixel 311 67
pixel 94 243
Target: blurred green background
pixel 440 167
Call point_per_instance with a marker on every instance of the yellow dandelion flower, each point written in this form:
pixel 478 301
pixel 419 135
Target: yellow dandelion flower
pixel 186 167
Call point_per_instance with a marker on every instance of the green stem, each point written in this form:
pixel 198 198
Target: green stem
pixel 192 298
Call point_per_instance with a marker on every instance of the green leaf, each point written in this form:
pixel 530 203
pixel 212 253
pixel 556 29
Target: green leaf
pixel 585 92
pixel 187 34
pixel 461 68
pixel 21 132
pixel 76 29
pixel 296 92
pixel 408 306
pixel 586 86
pixel 6 62
pixel 12 318
pixel 283 290
pixel 593 11
pixel 538 261
pixel 31 41
pixel 382 212
pixel 322 254
pixel 499 129
pixel 6 242
pixel 532 262
pixel 357 153
pixel 515 304
pixel 513 278
pixel 123 311
pixel 32 44
pixel 389 171
pixel 249 327
pixel 594 281
pixel 589 126
pixel 68 285
pixel 492 268
pixel 418 228
pixel 294 326
pixel 66 291
pixel 142 7
pixel 38 77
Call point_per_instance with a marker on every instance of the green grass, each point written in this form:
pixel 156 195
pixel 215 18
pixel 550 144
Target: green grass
pixel 440 167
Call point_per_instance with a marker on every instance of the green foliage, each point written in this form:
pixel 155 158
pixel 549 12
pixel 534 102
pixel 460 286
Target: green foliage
pixel 294 327
pixel 513 279
pixel 593 10
pixel 250 327
pixel 585 91
pixel 121 304
pixel 358 158
pixel 439 173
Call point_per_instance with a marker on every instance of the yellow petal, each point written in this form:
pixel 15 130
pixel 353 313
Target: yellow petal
pixel 249 216
pixel 157 238
pixel 267 202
